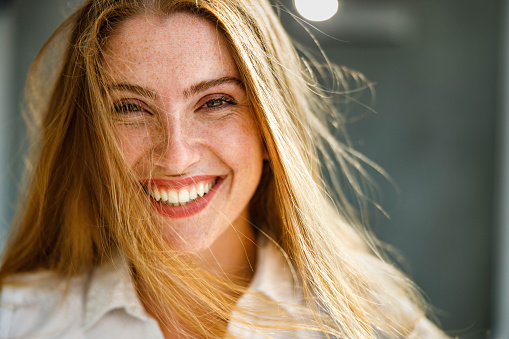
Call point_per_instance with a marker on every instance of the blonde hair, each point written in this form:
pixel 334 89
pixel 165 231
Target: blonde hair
pixel 81 202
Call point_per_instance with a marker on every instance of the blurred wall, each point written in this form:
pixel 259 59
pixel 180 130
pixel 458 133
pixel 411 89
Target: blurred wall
pixel 24 27
pixel 7 109
pixel 501 295
pixel 434 63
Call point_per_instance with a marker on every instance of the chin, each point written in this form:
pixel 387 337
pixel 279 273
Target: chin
pixel 190 238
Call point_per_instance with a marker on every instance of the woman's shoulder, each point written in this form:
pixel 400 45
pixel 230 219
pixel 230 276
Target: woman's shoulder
pixel 425 329
pixel 27 288
pixel 277 279
pixel 41 304
pixel 100 303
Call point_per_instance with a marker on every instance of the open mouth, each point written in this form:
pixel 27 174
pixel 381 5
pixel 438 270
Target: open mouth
pixel 180 197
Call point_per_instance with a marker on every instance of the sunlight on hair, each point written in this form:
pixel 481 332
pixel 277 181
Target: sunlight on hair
pixel 317 10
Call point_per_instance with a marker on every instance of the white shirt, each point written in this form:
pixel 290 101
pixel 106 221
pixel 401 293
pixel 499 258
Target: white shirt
pixel 104 304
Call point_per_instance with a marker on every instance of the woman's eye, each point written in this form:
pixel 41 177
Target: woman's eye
pixel 219 102
pixel 214 103
pixel 128 108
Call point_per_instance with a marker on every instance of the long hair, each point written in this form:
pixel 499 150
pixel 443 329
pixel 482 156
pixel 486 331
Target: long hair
pixel 82 204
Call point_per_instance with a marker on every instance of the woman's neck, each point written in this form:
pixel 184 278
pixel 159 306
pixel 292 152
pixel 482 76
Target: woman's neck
pixel 231 258
pixel 232 255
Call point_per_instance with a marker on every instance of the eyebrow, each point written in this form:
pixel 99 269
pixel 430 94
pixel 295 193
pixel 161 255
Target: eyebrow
pixel 206 84
pixel 135 89
pixel 194 89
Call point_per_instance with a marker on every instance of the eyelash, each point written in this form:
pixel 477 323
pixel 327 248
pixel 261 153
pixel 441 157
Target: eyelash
pixel 128 107
pixel 223 101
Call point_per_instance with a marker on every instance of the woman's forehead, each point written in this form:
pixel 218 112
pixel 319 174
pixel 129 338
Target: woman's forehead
pixel 173 49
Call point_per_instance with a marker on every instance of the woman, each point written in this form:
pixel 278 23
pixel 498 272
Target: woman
pixel 177 189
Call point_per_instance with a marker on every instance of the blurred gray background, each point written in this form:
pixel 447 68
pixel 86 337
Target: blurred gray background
pixel 440 131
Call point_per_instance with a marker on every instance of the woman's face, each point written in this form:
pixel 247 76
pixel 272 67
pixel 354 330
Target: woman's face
pixel 185 126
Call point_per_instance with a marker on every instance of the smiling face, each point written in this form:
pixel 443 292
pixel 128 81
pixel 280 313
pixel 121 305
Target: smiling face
pixel 185 127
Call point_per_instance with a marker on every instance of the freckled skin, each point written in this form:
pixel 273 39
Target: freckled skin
pixel 175 136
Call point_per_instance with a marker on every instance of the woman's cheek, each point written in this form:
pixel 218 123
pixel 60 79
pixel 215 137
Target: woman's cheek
pixel 238 134
pixel 134 143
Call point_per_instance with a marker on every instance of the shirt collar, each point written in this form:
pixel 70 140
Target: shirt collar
pixel 274 277
pixel 111 286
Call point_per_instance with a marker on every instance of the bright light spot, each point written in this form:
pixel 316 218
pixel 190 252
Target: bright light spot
pixel 317 10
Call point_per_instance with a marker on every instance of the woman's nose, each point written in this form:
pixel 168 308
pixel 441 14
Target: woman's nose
pixel 177 150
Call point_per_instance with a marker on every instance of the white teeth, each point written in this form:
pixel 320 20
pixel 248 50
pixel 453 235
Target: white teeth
pixel 201 189
pixel 164 195
pixel 173 197
pixel 184 196
pixel 157 195
pixel 193 194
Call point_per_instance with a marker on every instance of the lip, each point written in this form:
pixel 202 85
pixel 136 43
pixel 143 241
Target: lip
pixel 192 208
